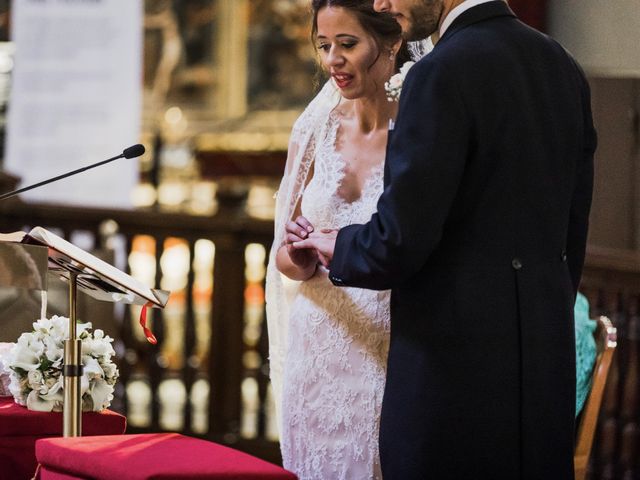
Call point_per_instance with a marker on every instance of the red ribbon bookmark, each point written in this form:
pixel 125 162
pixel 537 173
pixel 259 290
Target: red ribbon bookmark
pixel 151 338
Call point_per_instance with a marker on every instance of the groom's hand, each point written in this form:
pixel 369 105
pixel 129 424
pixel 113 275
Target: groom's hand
pixel 323 242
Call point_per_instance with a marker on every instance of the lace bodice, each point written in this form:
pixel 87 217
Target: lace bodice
pixel 338 341
pixel 321 204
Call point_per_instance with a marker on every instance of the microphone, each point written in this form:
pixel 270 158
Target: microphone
pixel 131 152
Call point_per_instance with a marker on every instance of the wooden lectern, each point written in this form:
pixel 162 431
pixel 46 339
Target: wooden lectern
pixel 85 272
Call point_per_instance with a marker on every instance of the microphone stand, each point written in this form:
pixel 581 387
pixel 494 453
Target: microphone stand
pixel 131 152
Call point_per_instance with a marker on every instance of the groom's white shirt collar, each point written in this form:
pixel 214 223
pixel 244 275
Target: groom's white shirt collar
pixel 455 13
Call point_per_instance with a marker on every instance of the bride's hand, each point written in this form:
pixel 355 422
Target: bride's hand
pixel 322 242
pixel 296 231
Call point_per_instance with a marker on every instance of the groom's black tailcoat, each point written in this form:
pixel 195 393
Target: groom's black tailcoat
pixel 481 234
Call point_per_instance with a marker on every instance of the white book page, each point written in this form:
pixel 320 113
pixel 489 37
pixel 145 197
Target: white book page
pixel 100 268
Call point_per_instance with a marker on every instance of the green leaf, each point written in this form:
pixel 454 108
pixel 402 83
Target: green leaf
pixel 45 364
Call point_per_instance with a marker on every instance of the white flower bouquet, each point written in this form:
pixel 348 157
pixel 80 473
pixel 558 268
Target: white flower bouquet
pixel 35 366
pixel 394 86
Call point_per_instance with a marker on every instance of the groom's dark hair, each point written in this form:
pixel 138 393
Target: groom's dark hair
pixel 381 25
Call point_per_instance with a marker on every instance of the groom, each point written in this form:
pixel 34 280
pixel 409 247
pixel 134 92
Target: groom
pixel 481 234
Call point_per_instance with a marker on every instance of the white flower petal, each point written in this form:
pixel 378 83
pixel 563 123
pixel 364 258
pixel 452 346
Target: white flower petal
pixel 91 367
pixel 101 394
pixel 35 379
pixel 35 402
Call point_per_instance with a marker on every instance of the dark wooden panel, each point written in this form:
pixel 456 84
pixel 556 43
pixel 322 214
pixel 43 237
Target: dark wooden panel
pixel 615 211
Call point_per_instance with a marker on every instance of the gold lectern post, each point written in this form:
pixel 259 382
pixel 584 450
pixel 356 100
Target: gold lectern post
pixel 99 280
pixel 72 370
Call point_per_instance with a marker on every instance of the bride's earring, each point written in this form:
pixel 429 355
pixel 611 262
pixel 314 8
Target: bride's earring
pixel 391 55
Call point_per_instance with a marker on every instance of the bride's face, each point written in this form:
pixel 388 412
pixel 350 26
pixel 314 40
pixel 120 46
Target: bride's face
pixel 351 55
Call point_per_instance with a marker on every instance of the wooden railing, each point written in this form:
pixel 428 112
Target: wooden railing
pixel 221 365
pixel 611 282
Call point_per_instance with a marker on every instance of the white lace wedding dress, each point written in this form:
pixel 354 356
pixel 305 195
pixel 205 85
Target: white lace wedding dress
pixel 338 339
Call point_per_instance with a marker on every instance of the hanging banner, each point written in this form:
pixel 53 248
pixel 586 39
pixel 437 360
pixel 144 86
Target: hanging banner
pixel 75 98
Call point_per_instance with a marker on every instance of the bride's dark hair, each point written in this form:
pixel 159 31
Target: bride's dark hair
pixel 380 25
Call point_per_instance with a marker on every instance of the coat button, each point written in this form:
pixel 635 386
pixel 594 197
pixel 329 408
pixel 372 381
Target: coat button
pixel 516 264
pixel 563 256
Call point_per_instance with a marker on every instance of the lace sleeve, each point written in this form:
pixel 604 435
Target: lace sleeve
pixel 309 126
pixel 300 155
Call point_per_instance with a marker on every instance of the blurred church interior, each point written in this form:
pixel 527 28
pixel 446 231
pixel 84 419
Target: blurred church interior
pixel 223 82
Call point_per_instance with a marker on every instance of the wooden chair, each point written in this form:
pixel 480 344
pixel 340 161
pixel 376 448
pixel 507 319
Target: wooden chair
pixel 606 343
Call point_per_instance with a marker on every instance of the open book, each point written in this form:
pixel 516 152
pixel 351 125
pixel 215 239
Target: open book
pixel 94 277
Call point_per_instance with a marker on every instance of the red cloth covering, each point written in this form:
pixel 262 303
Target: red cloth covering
pixel 49 475
pixel 154 456
pixel 20 428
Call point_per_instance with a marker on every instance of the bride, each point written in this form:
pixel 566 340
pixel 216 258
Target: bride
pixel 328 346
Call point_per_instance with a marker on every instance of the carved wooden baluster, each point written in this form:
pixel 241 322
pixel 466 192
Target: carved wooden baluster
pixel 263 372
pixel 609 434
pixel 628 449
pixel 225 357
pixel 592 296
pixel 126 343
pixel 190 367
pixel 158 362
pixel 607 449
pixel 630 398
